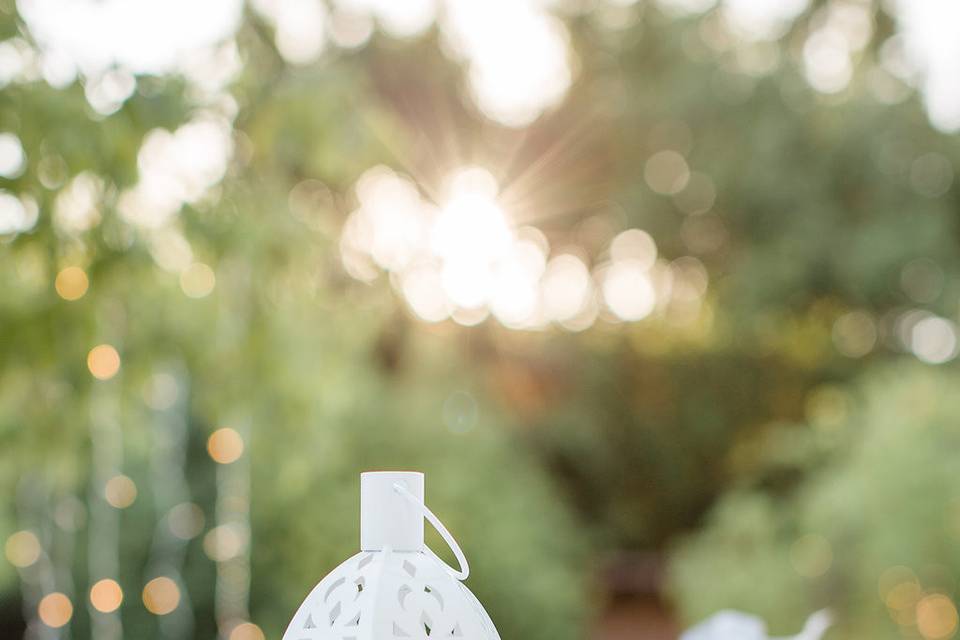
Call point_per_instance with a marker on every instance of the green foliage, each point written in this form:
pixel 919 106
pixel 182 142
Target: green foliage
pixel 284 350
pixel 881 495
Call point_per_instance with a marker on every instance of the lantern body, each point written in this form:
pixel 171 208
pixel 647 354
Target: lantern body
pixel 382 593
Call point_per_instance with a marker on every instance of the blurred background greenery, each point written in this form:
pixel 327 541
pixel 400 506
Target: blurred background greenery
pixel 661 295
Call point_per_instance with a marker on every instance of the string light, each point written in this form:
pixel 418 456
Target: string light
pixel 161 596
pixel 103 361
pixel 185 520
pixel 224 542
pixel 71 283
pixel 22 549
pixel 106 595
pixel 937 617
pixel 55 610
pixel 225 445
pixel 120 491
pixel 227 543
pixel 246 631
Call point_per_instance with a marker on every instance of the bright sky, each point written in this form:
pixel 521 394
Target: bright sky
pixel 930 31
pixel 516 53
pixel 143 36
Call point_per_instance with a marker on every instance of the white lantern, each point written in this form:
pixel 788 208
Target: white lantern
pixel 396 587
pixel 734 625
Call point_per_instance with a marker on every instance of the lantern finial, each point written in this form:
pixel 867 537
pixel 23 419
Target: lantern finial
pixel 387 518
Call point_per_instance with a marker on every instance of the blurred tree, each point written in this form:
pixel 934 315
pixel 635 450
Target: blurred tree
pixel 827 225
pixel 230 313
pixel 871 532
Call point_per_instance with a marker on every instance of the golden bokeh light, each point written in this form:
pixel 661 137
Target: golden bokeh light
pixel 71 283
pixel 466 259
pixel 904 595
pixel 161 596
pixel 55 610
pixel 120 491
pixel 106 595
pixel 628 290
pixel 197 280
pixel 246 631
pixel 634 244
pixel 937 617
pixel 103 361
pixel 22 549
pixel 565 287
pixel 224 543
pixel 892 577
pixel 225 445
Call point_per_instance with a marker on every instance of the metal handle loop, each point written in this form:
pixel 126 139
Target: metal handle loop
pixel 442 530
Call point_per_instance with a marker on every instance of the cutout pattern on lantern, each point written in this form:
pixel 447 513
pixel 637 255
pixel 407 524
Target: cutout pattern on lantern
pixel 334 608
pixel 390 594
